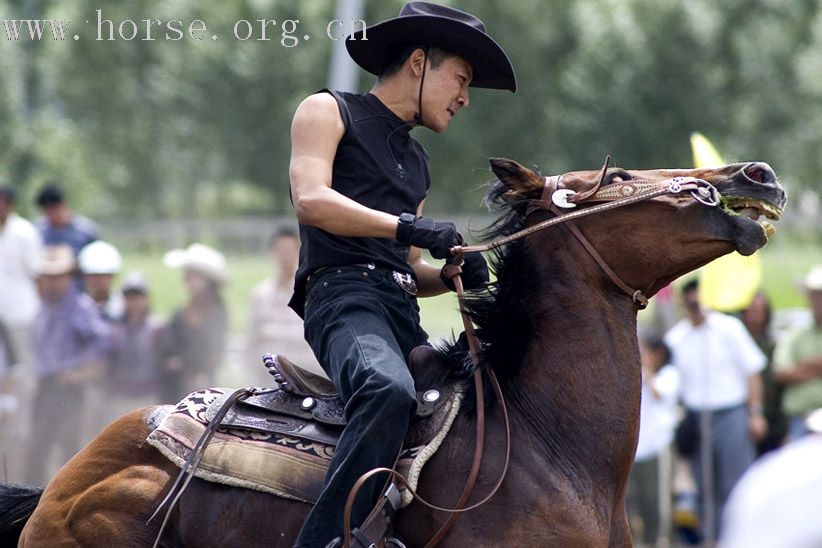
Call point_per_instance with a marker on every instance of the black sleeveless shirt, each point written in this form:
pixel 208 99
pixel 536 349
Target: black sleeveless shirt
pixel 379 165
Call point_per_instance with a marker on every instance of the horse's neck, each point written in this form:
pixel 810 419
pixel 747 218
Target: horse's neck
pixel 575 400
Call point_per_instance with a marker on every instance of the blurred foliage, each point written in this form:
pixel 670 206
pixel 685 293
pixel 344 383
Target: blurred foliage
pixel 200 128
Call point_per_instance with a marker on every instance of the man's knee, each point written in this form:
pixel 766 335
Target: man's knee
pixel 392 393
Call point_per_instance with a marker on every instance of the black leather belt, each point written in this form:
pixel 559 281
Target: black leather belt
pixel 403 279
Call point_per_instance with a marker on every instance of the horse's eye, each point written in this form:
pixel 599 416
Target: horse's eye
pixel 617 177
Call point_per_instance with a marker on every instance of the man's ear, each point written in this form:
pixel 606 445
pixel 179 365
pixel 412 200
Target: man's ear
pixel 416 61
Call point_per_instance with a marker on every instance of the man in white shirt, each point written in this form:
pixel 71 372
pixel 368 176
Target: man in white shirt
pixel 21 254
pixel 719 364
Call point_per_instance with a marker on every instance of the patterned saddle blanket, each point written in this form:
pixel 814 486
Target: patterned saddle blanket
pixel 283 454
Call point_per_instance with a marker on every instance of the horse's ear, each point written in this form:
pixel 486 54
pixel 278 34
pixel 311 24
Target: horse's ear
pixel 520 181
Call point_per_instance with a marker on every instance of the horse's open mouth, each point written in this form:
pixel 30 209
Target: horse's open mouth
pixel 752 209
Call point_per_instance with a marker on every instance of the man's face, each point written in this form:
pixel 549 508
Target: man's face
pixel 690 301
pixel 57 214
pixel 815 299
pixel 6 208
pixel 52 288
pixel 285 254
pixel 136 303
pixel 98 286
pixel 445 92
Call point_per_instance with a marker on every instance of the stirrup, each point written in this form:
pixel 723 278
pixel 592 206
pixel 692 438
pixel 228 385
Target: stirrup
pixel 388 542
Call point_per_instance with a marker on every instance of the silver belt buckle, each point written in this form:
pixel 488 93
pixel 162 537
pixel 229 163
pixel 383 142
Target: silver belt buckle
pixel 406 282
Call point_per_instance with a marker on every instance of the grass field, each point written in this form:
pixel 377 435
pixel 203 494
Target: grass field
pixel 784 263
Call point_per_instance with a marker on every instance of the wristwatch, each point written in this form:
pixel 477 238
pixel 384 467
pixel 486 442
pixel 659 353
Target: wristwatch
pixel 405 225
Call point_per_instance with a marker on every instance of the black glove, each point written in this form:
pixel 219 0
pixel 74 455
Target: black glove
pixel 474 272
pixel 435 236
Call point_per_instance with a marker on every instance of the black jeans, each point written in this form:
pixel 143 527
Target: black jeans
pixel 361 326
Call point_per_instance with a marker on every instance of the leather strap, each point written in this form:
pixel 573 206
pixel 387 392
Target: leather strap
pixel 453 271
pixel 194 459
pixel 636 295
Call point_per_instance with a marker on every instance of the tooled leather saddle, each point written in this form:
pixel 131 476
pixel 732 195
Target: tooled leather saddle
pixel 307 406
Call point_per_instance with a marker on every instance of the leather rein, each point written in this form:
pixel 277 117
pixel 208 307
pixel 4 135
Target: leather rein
pixel 555 198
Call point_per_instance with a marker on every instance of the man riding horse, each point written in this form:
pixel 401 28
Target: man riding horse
pixel 358 183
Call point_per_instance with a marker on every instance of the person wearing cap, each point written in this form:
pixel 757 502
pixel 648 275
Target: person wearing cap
pixel 193 343
pixel 798 362
pixel 69 340
pixel 133 378
pixel 358 183
pixel 99 263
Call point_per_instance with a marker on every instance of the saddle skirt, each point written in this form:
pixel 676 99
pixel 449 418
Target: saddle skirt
pixel 281 443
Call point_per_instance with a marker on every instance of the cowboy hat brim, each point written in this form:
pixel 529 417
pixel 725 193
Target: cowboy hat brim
pixel 369 47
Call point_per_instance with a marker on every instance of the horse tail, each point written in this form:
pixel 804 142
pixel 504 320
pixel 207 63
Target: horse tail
pixel 17 504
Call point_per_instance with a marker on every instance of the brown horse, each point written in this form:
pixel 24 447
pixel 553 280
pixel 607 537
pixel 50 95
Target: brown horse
pixel 561 337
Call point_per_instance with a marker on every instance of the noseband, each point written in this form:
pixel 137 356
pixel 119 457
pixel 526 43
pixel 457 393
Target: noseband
pixel 559 200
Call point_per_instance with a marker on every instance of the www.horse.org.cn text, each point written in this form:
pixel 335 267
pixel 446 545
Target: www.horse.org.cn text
pixel 287 32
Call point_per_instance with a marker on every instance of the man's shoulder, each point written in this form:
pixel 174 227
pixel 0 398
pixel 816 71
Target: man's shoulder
pixel 84 224
pixel 725 322
pixel 262 288
pixel 675 334
pixel 21 225
pixel 322 103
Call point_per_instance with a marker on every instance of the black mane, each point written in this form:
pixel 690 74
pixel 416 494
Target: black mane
pixel 497 310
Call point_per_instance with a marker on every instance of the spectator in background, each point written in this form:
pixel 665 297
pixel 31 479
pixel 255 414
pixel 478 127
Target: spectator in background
pixel 100 262
pixel 798 362
pixel 719 364
pixel 133 380
pixel 649 486
pixel 8 400
pixel 21 254
pixel 757 319
pixel 59 225
pixel 776 503
pixel 272 326
pixel 193 342
pixel 70 339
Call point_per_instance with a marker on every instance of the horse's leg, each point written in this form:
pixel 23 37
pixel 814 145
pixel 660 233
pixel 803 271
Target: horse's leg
pixel 105 493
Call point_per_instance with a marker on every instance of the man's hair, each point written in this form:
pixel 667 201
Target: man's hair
pixel 284 231
pixel 8 194
pixel 398 55
pixel 50 195
pixel 655 342
pixel 689 286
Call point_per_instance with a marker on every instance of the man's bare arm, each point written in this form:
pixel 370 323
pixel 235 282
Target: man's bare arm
pixel 316 131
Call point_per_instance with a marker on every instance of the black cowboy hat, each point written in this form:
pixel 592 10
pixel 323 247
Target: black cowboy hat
pixel 451 30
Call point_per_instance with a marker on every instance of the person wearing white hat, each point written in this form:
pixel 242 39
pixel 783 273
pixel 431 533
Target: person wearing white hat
pixel 70 339
pixel 99 263
pixel 358 183
pixel 798 361
pixel 193 342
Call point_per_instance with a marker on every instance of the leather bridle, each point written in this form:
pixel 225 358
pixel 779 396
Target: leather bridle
pixel 560 200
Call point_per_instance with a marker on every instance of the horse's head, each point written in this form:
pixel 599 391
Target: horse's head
pixel 682 224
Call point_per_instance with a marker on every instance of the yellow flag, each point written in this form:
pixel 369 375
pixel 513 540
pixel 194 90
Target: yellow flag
pixel 729 283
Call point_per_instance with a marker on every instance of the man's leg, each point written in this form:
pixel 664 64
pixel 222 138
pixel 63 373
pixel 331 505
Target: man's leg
pixel 735 452
pixel 356 344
